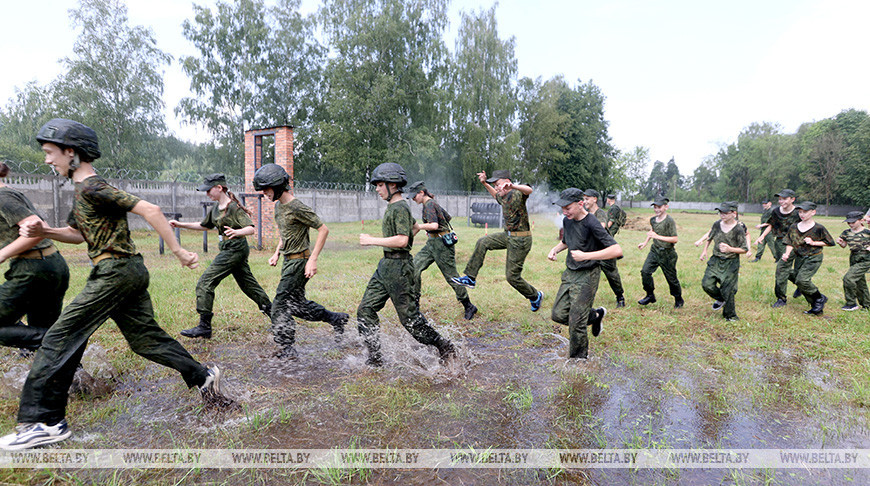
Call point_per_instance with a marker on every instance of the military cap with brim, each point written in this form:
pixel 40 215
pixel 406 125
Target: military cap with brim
pixel 660 201
pixel 611 196
pixel 726 207
pixel 414 188
pixel 765 201
pixel 853 216
pixel 568 196
pixel 592 193
pixel 806 206
pixel 499 174
pixel 212 180
pixel 786 193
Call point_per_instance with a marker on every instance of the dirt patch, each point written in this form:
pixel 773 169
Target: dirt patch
pixel 639 223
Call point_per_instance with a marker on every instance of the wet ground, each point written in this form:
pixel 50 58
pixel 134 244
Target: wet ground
pixel 501 393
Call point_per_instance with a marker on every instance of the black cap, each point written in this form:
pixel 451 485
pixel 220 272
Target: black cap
pixel 611 196
pixel 786 193
pixel 660 201
pixel 853 216
pixel 499 174
pixel 414 188
pixel 568 196
pixel 592 193
pixel 212 180
pixel 727 207
pixel 806 206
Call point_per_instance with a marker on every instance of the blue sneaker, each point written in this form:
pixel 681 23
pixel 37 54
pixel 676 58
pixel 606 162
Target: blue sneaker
pixel 464 281
pixel 32 435
pixel 536 304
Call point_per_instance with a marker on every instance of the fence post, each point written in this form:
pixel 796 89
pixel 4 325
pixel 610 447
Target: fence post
pixel 55 201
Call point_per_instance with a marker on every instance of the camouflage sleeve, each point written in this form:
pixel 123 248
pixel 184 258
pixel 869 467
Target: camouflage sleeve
pixel 844 234
pixel 208 221
pixel 13 208
pixel 111 200
pixel 669 228
pixel 430 213
pixel 825 236
pixel 308 217
pixel 714 230
pixel 403 223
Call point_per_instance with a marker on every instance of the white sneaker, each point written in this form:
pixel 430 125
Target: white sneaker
pixel 212 386
pixel 32 435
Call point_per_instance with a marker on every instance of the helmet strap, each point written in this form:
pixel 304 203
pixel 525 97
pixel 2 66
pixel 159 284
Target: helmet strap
pixel 74 164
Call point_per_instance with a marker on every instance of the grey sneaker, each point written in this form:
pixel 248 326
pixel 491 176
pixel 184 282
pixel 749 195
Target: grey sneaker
pixel 32 435
pixel 850 308
pixel 718 304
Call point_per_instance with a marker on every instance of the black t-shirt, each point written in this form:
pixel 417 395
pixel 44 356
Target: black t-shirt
pixel 585 235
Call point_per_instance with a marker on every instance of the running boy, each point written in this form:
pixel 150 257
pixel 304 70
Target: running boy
pixel 661 254
pixel 720 278
pixel 117 288
pixel 436 223
pixel 857 238
pixel 767 208
pixel 516 238
pixel 806 239
pixel 608 267
pixel 300 262
pixel 589 244
pixel 233 222
pixel 394 278
pixel 780 221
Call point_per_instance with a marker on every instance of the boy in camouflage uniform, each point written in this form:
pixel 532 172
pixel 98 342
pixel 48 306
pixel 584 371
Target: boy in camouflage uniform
pixel 781 219
pixel 608 267
pixel 662 254
pixel 436 223
pixel 767 208
pixel 516 238
pixel 616 217
pixel 234 224
pixel 117 288
pixel 720 278
pixel 589 244
pixel 394 278
pixel 857 238
pixel 294 219
pixel 806 239
pixel 37 278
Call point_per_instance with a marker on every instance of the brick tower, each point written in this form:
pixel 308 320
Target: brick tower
pixel 255 141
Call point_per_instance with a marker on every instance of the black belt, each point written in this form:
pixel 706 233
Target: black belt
pixel 398 255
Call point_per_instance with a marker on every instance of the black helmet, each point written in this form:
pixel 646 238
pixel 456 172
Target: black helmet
pixel 389 172
pixel 271 175
pixel 72 134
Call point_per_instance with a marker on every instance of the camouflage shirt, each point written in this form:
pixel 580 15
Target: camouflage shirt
pixel 765 216
pixel 795 238
pixel 668 227
pixel 516 216
pixel 857 242
pixel 294 219
pixel 617 216
pixel 432 213
pixel 233 216
pixel 735 237
pixel 601 216
pixel 398 221
pixel 100 214
pixel 14 207
pixel 780 223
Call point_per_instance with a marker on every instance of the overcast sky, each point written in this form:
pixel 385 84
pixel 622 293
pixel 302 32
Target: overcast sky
pixel 680 77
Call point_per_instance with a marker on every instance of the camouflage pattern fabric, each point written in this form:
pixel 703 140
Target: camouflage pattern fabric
pixel 768 240
pixel 797 239
pixel 231 260
pixel 434 213
pixel 14 206
pixel 513 205
pixel 398 221
pixel 290 301
pixel 517 248
pixel 785 271
pixel 667 260
pixel 857 242
pixel 116 289
pixel 804 269
pixel 735 237
pixel 667 227
pixel 608 267
pixel 444 256
pixel 855 281
pixel 720 281
pixel 780 223
pixel 234 217
pixel 294 220
pixel 617 216
pixel 35 288
pixel 100 214
pixel 573 304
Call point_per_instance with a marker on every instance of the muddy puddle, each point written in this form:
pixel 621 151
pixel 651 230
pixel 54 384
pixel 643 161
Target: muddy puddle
pixel 500 393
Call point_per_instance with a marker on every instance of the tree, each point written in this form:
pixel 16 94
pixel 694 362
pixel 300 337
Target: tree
pixel 704 179
pixel 542 127
pixel 31 107
pixel 485 101
pixel 823 150
pixel 629 172
pixel 855 178
pixel 114 83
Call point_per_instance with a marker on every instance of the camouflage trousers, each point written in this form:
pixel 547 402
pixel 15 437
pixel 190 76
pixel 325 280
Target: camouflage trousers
pixel 667 260
pixel 720 282
pixel 611 273
pixel 35 288
pixel 517 248
pixel 229 262
pixel 769 242
pixel 116 289
pixel 855 280
pixel 444 256
pixel 804 269
pixel 573 304
pixel 393 280
pixel 290 301
pixel 785 271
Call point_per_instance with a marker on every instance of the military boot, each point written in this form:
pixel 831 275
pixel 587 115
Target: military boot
pixel 203 329
pixel 373 345
pixel 288 353
pixel 267 309
pixel 337 320
pixel 470 309
pixel 446 350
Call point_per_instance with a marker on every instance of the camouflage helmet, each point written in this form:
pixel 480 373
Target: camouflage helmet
pixel 72 134
pixel 389 172
pixel 271 175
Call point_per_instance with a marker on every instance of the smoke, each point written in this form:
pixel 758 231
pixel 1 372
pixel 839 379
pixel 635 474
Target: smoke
pixel 541 202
